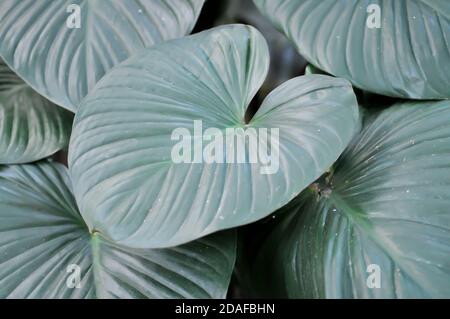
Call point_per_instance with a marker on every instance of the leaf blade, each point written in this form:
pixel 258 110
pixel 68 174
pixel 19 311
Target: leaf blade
pixel 391 60
pixel 63 64
pixel 387 206
pixel 42 236
pixel 149 200
pixel 31 127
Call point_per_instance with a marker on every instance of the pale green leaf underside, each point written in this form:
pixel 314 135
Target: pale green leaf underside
pixel 42 234
pixel 31 127
pixel 408 56
pixel 62 63
pixel 120 154
pixel 388 205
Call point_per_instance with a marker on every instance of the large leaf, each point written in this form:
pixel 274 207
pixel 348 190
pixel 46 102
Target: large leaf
pixel 42 237
pixel 38 41
pixel 408 56
pixel 125 181
pixel 31 127
pixel 286 63
pixel 386 204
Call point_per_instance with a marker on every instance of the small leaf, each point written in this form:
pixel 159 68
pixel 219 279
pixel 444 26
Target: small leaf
pixel 45 248
pixel 63 47
pixel 405 55
pixel 31 127
pixel 311 69
pixel 386 208
pixel 125 179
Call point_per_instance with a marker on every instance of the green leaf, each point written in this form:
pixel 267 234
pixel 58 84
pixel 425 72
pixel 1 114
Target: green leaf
pixel 125 180
pixel 31 127
pixel 42 237
pixel 311 69
pixel 41 43
pixel 386 203
pixel 408 56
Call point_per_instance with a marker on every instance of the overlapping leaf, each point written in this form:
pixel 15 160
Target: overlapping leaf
pixel 386 205
pixel 125 179
pixel 44 243
pixel 407 56
pixel 41 40
pixel 31 127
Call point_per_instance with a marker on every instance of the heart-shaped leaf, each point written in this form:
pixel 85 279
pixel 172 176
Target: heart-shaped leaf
pixel 31 127
pixel 394 48
pixel 63 47
pixel 379 226
pixel 46 250
pixel 126 180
